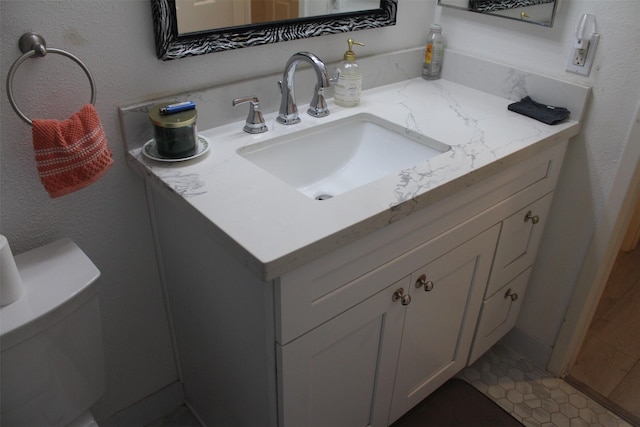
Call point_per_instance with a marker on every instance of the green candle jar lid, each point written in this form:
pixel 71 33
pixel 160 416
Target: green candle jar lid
pixel 177 120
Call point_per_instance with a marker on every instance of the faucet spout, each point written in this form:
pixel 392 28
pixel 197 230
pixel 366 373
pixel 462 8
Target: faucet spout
pixel 288 114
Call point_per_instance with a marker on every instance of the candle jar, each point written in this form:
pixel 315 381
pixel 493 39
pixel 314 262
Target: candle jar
pixel 175 134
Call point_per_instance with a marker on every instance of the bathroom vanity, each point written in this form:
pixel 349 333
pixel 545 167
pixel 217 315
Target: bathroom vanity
pixel 291 310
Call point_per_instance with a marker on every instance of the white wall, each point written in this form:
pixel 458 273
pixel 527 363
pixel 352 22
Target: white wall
pixel 592 157
pixel 109 219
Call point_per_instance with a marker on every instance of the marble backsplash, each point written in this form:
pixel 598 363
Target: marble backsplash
pixel 514 84
pixel 215 104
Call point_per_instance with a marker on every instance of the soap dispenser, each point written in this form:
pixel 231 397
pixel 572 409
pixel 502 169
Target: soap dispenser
pixel 349 85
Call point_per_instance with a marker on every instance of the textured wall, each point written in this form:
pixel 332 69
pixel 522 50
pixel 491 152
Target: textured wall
pixel 109 219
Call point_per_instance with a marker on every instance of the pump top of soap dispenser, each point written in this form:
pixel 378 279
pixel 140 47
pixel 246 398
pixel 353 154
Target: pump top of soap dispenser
pixel 350 55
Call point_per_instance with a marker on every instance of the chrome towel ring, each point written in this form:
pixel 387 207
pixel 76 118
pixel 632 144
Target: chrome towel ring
pixel 32 44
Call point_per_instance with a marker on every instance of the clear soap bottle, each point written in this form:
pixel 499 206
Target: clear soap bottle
pixel 349 86
pixel 433 55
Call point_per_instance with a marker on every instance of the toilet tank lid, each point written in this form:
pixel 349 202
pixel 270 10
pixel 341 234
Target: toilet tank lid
pixel 57 278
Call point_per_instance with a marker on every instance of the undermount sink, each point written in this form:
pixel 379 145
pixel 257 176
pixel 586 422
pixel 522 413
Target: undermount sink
pixel 333 158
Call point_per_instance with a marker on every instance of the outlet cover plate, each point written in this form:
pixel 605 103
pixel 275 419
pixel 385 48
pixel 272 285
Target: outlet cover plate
pixel 585 69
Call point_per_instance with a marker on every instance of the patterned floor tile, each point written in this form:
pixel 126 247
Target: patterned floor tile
pixel 533 396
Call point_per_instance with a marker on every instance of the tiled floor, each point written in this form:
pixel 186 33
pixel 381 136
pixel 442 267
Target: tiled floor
pixel 608 365
pixel 532 396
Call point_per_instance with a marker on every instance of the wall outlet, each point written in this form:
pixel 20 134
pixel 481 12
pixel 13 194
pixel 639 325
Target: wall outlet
pixel 581 60
pixel 580 57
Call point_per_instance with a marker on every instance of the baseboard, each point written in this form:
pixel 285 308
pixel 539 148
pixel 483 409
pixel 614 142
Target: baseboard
pixel 535 351
pixel 149 409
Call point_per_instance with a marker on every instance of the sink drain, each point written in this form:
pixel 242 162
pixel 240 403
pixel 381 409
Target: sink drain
pixel 323 196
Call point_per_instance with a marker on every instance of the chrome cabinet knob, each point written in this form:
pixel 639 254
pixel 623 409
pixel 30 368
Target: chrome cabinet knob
pixel 399 295
pixel 531 217
pixel 422 281
pixel 511 295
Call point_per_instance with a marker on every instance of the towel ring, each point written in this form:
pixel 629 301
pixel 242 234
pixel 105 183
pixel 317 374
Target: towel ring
pixel 32 44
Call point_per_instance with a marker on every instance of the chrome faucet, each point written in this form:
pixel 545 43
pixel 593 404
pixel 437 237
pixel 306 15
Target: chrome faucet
pixel 318 108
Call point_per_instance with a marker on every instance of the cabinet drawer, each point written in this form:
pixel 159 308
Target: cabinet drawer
pixel 519 240
pixel 302 307
pixel 499 314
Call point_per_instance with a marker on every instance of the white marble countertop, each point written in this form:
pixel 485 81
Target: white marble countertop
pixel 274 228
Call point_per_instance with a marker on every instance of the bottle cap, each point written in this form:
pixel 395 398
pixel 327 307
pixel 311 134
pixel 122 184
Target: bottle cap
pixel 350 55
pixel 435 27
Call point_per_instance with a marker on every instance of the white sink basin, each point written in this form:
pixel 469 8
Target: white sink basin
pixel 330 159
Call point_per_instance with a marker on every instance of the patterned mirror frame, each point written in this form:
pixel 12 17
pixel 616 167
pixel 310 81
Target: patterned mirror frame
pixel 170 45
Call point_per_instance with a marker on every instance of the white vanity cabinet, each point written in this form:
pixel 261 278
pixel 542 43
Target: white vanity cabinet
pixel 343 372
pixel 360 335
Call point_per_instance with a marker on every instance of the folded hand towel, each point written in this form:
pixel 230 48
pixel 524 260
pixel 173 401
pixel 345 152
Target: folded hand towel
pixel 544 113
pixel 71 154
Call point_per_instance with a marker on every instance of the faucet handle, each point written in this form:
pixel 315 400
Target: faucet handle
pixel 255 121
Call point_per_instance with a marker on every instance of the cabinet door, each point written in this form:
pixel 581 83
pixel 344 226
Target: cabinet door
pixel 499 314
pixel 519 240
pixel 341 373
pixel 441 319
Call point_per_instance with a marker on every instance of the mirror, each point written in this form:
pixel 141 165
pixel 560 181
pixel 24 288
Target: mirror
pixel 204 15
pixel 177 37
pixel 540 12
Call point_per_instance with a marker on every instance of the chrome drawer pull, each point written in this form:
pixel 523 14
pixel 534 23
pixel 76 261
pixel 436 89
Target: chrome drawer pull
pixel 422 281
pixel 399 295
pixel 534 218
pixel 511 295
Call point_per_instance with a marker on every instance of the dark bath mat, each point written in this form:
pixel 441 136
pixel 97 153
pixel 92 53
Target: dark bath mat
pixel 457 404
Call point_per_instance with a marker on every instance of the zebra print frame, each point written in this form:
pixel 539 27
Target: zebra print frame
pixel 170 45
pixel 484 6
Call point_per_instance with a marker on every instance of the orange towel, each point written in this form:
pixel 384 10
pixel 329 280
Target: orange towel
pixel 71 154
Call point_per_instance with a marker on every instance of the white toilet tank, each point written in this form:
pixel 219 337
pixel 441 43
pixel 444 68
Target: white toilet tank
pixel 52 364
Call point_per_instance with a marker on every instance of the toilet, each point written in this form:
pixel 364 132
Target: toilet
pixel 52 363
